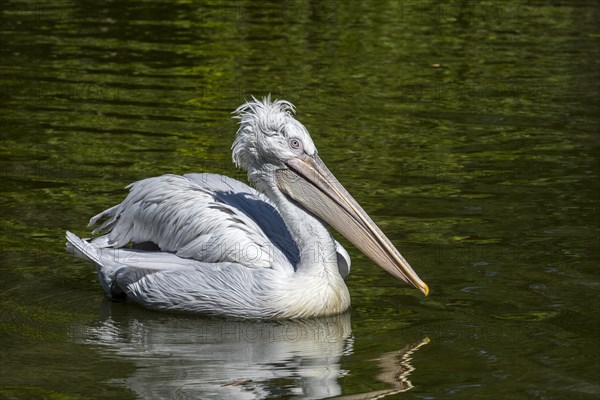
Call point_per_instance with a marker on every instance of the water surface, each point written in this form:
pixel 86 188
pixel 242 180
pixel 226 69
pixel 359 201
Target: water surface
pixel 468 131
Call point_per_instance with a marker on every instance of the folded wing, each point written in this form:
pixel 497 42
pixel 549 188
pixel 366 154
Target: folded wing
pixel 206 217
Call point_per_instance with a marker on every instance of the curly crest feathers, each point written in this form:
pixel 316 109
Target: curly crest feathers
pixel 258 119
pixel 259 110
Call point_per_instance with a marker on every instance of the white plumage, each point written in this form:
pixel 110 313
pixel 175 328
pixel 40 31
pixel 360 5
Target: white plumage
pixel 209 244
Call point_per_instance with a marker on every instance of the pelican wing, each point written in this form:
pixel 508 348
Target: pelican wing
pixel 206 217
pixel 162 280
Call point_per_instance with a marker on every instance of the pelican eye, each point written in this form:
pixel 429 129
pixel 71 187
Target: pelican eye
pixel 294 143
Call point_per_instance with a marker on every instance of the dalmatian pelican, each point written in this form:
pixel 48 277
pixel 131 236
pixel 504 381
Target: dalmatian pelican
pixel 206 243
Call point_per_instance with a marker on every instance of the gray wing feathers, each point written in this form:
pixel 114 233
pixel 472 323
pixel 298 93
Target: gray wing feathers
pixel 207 217
pixel 165 281
pixel 254 205
pixel 205 289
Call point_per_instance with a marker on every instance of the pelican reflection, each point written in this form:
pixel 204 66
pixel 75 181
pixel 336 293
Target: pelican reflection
pixel 181 356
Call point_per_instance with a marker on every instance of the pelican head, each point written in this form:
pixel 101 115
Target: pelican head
pixel 271 143
pixel 268 136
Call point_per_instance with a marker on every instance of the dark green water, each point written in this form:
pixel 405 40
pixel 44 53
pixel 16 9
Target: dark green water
pixel 468 130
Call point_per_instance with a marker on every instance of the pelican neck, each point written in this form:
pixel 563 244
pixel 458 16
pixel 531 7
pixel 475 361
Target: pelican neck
pixel 316 246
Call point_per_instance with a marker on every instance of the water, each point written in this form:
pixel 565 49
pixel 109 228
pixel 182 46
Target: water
pixel 468 131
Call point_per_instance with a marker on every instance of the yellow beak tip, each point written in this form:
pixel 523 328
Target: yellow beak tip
pixel 425 289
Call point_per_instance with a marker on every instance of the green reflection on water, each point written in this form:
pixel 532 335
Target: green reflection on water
pixel 466 129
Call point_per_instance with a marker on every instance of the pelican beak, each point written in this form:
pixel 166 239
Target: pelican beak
pixel 309 182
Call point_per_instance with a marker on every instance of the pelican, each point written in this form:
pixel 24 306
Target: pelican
pixel 206 243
